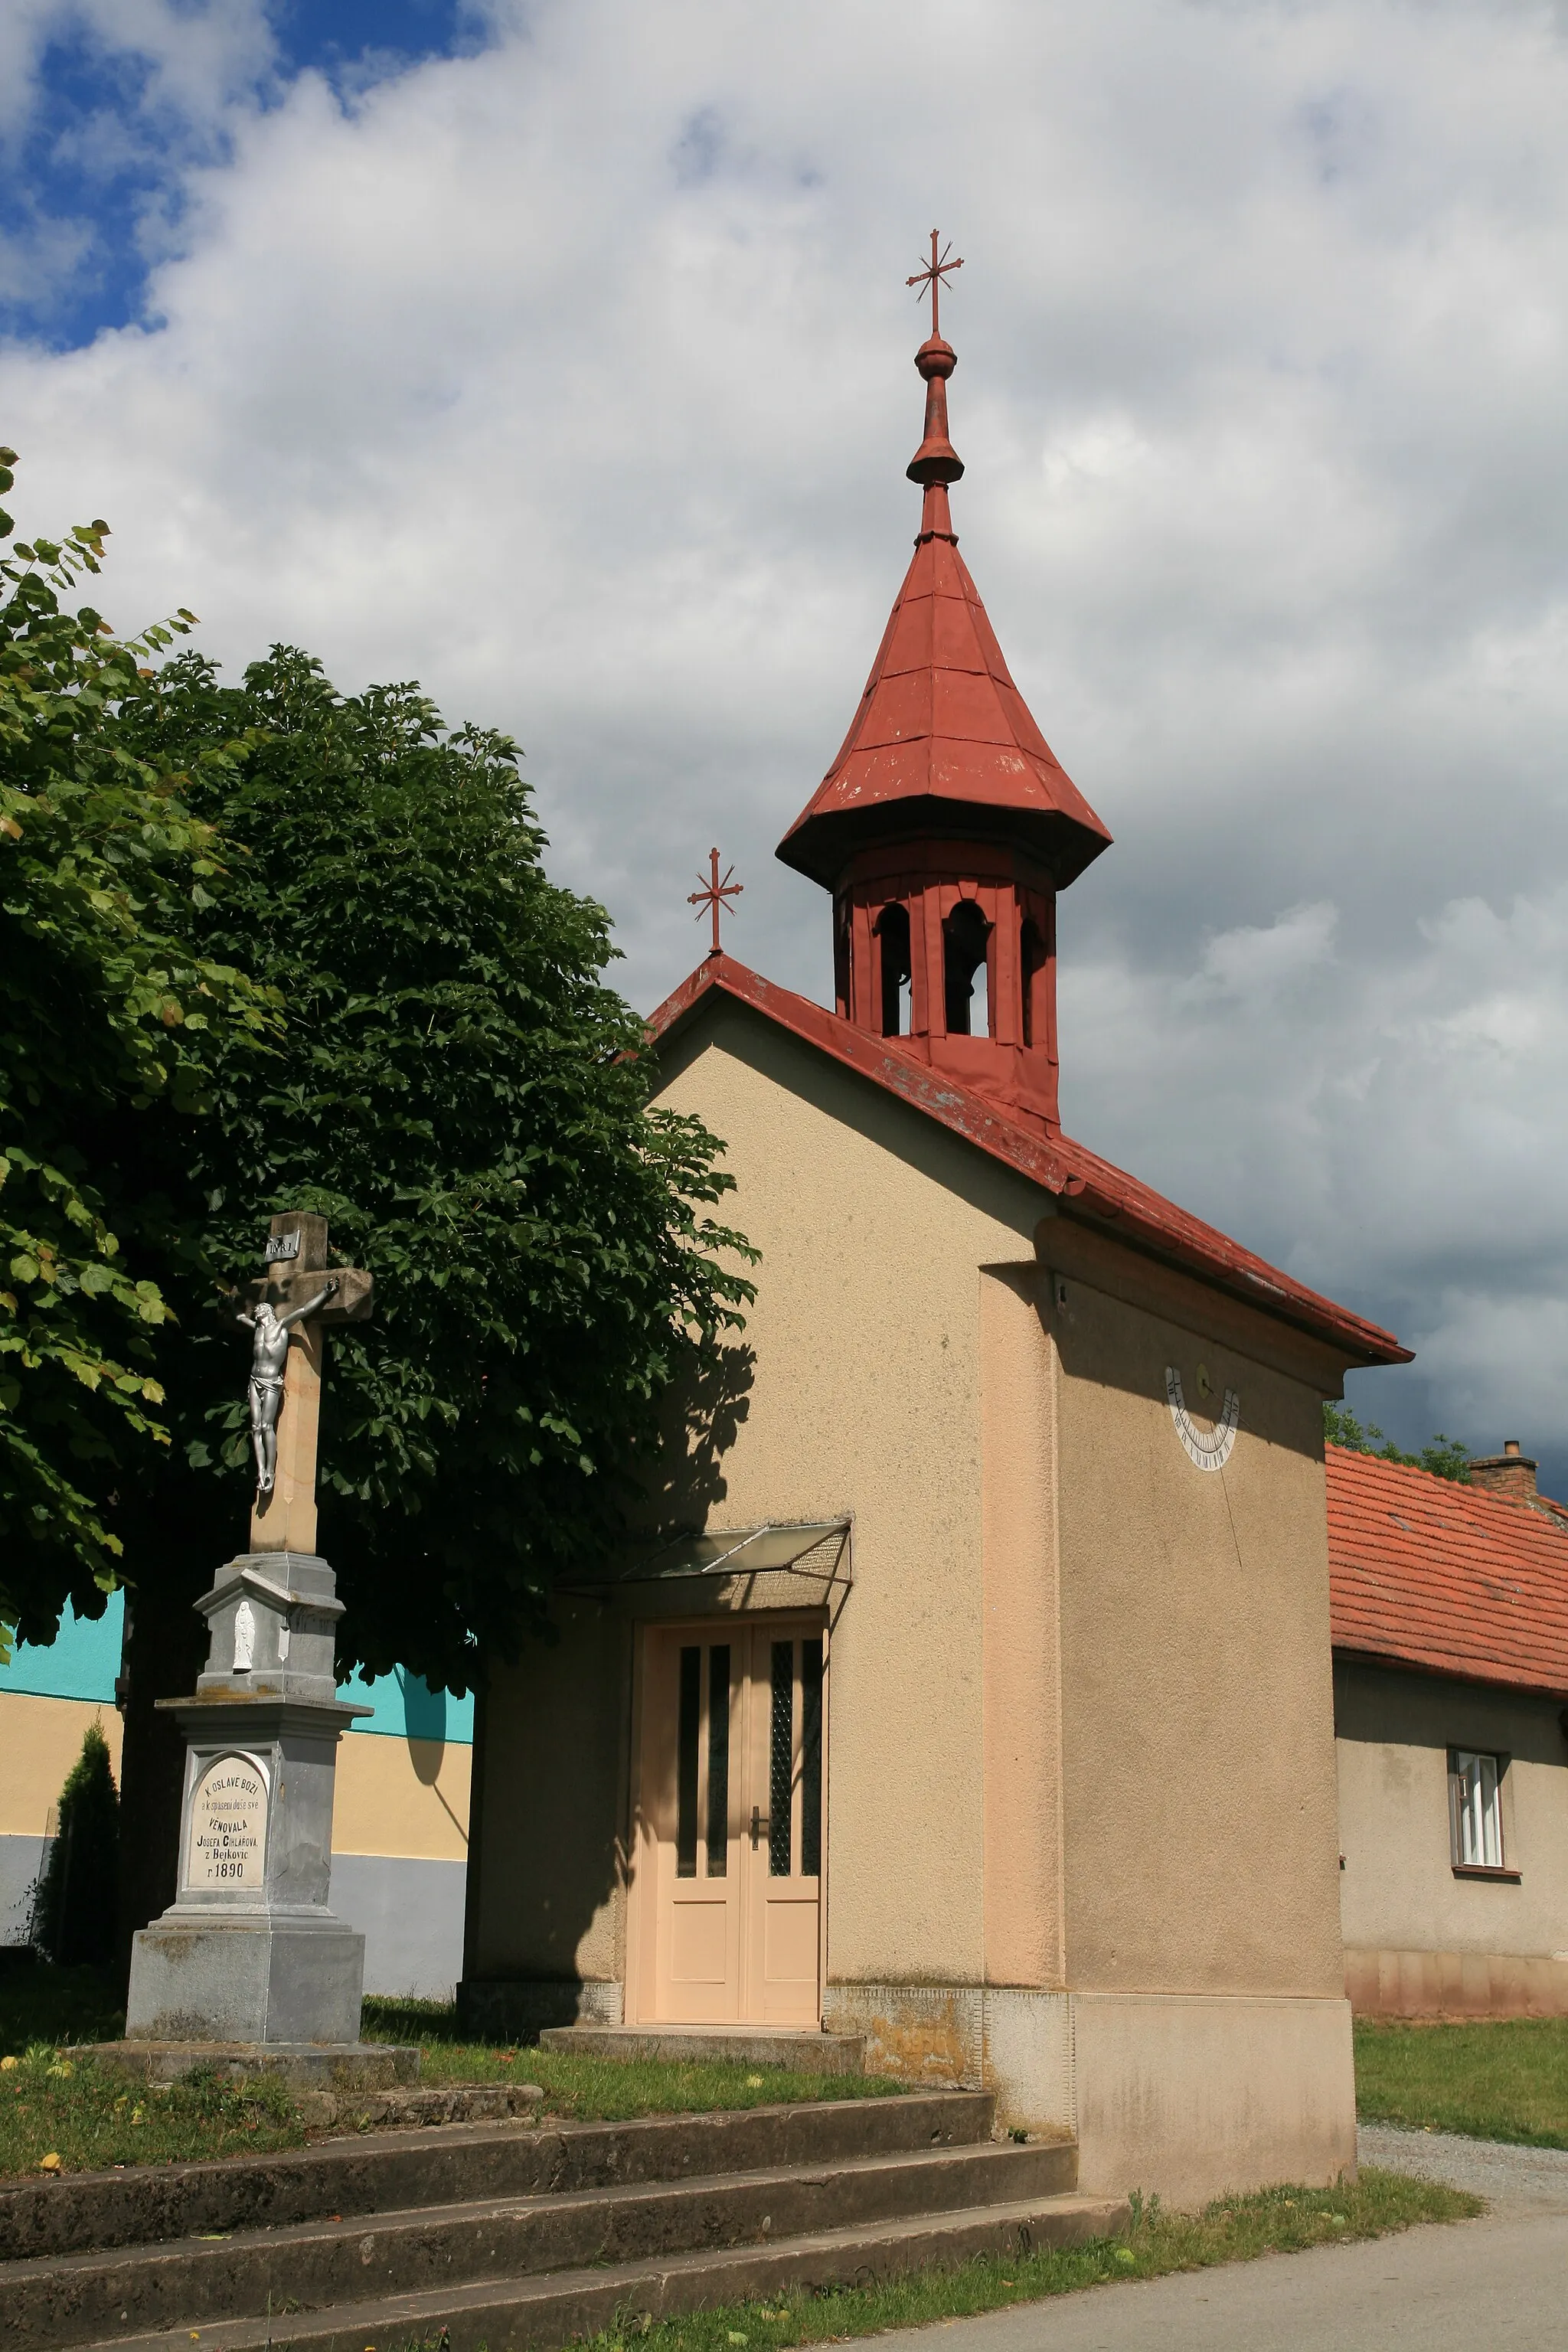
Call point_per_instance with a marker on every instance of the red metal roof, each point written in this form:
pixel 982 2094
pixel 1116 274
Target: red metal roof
pixel 942 741
pixel 1088 1186
pixel 1428 1574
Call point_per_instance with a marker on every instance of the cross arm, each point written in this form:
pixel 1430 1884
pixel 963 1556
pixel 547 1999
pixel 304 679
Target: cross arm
pixel 353 1301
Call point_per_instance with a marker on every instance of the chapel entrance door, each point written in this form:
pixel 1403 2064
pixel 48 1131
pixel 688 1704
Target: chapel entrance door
pixel 730 1850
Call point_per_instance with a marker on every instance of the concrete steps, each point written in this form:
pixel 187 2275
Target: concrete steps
pixel 522 2237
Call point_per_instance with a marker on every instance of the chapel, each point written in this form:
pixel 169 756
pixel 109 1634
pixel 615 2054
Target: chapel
pixel 967 1687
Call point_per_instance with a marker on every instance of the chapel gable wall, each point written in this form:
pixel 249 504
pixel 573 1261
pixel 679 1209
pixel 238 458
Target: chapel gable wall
pixel 863 1395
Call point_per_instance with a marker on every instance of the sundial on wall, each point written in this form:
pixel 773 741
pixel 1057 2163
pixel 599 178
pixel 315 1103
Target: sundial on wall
pixel 1206 1449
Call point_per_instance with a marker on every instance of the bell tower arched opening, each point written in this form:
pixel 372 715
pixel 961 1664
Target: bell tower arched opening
pixel 1033 957
pixel 965 948
pixel 893 930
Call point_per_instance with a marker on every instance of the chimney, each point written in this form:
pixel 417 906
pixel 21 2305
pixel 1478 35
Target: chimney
pixel 1509 1473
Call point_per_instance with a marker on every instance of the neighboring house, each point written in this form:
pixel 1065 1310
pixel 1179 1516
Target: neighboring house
pixel 400 1824
pixel 1450 1628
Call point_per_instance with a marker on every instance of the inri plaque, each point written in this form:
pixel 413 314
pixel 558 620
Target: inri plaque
pixel 228 1844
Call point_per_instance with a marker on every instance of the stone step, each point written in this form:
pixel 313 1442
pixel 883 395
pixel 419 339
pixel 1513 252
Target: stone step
pixel 392 2171
pixel 800 2049
pixel 190 2281
pixel 528 2313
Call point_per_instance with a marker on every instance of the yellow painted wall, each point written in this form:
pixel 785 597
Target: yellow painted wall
pixel 40 1739
pixel 394 1796
pixel 402 1797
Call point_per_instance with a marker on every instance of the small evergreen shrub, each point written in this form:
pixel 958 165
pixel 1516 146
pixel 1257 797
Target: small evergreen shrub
pixel 74 1908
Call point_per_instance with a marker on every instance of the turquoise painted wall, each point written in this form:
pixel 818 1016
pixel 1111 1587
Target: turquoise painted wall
pixel 84 1658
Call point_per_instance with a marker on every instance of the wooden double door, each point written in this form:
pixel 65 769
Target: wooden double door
pixel 728 1880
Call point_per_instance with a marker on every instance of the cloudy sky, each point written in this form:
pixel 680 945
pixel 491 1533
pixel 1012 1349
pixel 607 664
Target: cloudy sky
pixel 559 355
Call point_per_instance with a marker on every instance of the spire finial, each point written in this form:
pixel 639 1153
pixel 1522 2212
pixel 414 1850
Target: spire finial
pixel 935 274
pixel 715 894
pixel 936 462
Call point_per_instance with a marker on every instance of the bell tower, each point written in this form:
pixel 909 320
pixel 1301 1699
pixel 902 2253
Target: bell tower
pixel 946 826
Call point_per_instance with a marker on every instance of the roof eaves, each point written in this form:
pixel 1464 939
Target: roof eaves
pixel 1085 1184
pixel 1495 1675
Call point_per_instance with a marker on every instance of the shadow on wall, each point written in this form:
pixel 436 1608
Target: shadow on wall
pixel 699 1422
pixel 551 1787
pixel 425 1726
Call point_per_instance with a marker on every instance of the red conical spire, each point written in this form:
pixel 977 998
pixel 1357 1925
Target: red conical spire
pixel 946 826
pixel 942 741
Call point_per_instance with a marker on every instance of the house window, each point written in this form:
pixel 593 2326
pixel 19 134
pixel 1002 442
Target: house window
pixel 1475 1809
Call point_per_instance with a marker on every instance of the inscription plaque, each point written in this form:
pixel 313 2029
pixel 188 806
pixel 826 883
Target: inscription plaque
pixel 228 1843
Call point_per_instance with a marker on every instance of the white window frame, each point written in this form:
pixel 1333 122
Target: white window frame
pixel 1475 1809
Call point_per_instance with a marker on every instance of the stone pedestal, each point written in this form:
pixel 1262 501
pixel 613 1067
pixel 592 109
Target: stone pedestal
pixel 248 1952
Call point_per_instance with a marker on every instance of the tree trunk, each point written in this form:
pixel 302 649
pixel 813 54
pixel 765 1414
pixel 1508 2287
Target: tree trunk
pixel 165 1650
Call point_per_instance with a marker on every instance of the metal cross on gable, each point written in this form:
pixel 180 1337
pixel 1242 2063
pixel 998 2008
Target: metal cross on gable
pixel 935 274
pixel 715 894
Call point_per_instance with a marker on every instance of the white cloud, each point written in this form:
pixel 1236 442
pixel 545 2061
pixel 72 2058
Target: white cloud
pixel 574 378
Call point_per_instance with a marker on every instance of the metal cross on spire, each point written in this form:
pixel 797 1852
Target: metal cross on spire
pixel 935 274
pixel 714 894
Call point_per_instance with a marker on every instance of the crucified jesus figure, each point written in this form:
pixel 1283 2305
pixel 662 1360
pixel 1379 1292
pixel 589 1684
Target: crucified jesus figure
pixel 265 1393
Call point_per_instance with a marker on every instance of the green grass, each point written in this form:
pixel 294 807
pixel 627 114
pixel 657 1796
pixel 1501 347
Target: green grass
pixel 56 2103
pixel 1233 2229
pixel 600 2089
pixel 63 2114
pixel 1506 2079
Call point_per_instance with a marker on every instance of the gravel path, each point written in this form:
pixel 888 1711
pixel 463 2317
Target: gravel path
pixel 1511 2179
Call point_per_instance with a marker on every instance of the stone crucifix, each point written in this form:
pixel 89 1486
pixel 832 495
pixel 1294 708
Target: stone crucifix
pixel 286 1310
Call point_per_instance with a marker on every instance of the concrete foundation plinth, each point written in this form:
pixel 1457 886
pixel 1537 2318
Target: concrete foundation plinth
pixel 302 2066
pixel 266 1979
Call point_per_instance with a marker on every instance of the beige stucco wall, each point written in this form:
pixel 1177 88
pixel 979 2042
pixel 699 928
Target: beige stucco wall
pixel 873 1223
pixel 1399 1896
pixel 1081 1743
pixel 1200 1837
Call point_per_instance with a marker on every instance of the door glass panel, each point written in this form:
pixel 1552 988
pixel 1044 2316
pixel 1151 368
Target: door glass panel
pixel 686 1763
pixel 718 1760
pixel 811 1757
pixel 781 1759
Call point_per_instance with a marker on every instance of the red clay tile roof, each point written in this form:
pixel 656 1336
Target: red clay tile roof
pixel 1426 1573
pixel 1087 1186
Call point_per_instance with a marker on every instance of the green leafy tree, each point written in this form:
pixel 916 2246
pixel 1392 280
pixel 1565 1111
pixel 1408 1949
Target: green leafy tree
pixel 1444 1458
pixel 74 1908
pixel 465 1100
pixel 105 1009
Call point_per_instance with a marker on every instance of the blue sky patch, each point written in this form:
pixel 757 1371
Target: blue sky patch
pixel 92 192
